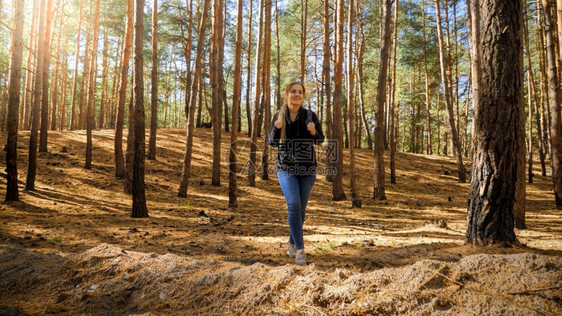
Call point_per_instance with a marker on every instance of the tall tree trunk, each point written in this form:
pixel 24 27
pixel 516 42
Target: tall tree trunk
pixel 16 47
pixel 84 83
pixel 448 99
pixel 55 92
pixel 249 71
pixel 75 76
pixel 303 33
pixel 257 103
pixel 378 190
pixel 120 171
pixel 266 89
pixel 182 192
pixel 217 95
pixel 139 199
pixel 545 110
pixel 555 99
pixel 495 162
pixel 392 100
pixel 91 99
pixel 338 193
pixel 278 59
pixel 236 94
pixel 331 163
pixel 28 92
pixel 187 53
pixel 350 85
pixel 45 90
pixel 35 110
pixel 427 91
pixel 104 94
pixel 154 85
pixel 62 107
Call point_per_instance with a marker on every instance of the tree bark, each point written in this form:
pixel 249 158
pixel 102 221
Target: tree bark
pixel 392 102
pixel 303 34
pixel 36 102
pixel 249 71
pixel 29 79
pixel 266 90
pixel 139 199
pixel 54 96
pixel 216 95
pixel 555 99
pixel 338 193
pixel 120 171
pixel 495 162
pixel 448 98
pixel 378 190
pixel 182 192
pixel 330 163
pixel 236 95
pixel 104 94
pixel 154 85
pixel 91 99
pixel 427 91
pixel 16 47
pixel 350 85
pixel 45 90
pixel 257 103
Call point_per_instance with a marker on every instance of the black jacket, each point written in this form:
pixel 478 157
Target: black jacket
pixel 296 154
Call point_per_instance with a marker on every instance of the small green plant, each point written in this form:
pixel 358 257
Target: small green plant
pixel 184 203
pixel 56 239
pixel 321 248
pixel 112 193
pixel 250 247
pixel 359 245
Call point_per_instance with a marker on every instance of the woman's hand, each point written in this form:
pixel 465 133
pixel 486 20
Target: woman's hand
pixel 311 128
pixel 278 124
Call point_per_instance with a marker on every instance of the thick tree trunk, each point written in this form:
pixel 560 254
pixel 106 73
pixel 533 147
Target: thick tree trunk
pixel 154 85
pixel 120 171
pixel 139 199
pixel 16 47
pixel 555 100
pixel 378 190
pixel 495 162
pixel 448 98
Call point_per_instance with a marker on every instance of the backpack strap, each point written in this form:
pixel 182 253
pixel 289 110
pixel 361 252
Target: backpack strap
pixel 308 116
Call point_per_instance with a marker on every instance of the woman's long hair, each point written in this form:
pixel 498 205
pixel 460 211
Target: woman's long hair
pixel 285 105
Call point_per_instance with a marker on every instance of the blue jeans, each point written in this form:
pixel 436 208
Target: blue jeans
pixel 296 190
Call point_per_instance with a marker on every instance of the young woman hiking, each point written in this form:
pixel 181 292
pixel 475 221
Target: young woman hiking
pixel 294 131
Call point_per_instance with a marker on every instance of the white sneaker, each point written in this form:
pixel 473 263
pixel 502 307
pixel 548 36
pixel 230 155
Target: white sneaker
pixel 300 257
pixel 291 250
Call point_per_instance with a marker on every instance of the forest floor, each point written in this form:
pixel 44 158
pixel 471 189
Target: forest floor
pixel 70 247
